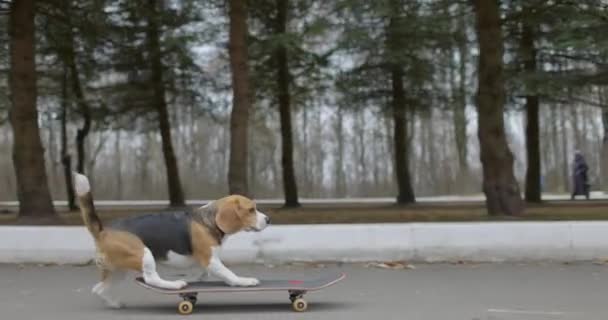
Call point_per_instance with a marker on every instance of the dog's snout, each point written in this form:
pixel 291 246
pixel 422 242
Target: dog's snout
pixel 267 219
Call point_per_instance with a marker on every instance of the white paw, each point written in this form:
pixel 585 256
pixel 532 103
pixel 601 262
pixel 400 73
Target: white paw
pixel 203 276
pixel 96 288
pixel 177 284
pixel 115 304
pixel 247 282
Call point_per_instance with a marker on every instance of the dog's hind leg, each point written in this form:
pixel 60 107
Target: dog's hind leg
pixel 151 276
pixel 124 251
pixel 102 288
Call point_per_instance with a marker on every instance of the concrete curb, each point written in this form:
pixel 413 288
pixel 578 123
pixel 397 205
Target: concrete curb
pixel 426 242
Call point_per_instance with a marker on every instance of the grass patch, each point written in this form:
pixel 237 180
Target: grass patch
pixel 448 212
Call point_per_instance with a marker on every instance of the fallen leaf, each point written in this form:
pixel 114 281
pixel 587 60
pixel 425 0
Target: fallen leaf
pixel 392 265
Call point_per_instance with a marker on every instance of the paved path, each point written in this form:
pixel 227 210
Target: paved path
pixel 441 292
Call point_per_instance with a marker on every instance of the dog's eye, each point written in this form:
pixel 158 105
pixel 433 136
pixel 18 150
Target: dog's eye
pixel 252 210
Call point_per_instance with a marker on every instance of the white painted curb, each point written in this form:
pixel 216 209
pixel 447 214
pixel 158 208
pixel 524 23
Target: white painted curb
pixel 428 242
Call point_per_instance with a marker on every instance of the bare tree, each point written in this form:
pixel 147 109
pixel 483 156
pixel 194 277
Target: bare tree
pixel 28 153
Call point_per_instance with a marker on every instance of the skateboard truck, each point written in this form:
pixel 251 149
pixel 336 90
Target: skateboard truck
pixel 191 296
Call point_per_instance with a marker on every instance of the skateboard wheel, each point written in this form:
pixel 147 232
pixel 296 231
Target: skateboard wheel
pixel 299 305
pixel 185 307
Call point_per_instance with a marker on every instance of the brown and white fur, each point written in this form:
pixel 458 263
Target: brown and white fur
pixel 119 250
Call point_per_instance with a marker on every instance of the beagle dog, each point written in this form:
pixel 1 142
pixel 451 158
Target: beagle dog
pixel 182 239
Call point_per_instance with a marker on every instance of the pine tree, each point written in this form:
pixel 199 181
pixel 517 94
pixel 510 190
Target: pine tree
pixel 28 153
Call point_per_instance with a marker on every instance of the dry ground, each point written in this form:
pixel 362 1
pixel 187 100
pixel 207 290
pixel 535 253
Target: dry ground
pixel 370 213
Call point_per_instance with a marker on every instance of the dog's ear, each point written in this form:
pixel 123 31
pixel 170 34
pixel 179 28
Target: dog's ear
pixel 227 217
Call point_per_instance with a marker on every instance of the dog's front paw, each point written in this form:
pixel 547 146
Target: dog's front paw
pixel 204 276
pixel 115 304
pixel 177 284
pixel 247 282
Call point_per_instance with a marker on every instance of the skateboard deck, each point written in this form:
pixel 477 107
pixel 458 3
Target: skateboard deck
pixel 296 288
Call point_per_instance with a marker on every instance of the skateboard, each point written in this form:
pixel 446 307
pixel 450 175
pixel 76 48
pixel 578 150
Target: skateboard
pixel 296 288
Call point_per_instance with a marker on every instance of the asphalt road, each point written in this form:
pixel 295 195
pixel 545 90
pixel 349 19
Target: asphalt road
pixel 442 292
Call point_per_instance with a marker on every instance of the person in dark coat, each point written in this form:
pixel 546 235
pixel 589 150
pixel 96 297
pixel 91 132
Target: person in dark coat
pixel 580 184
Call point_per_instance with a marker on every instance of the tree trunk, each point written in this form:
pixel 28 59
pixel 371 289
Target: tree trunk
pixel 69 59
pixel 252 172
pixel 421 176
pixel 576 132
pixel 433 165
pixel 604 152
pixel 499 184
pixel 545 150
pixel 319 152
pixel 533 171
pixel 339 163
pixel 226 134
pixel 389 144
pixel 66 159
pixel 405 191
pixel 604 149
pixel 304 161
pixel 239 118
pixel 28 154
pixel 51 147
pixel 460 119
pixel 377 154
pixel 118 164
pixel 143 159
pixel 564 151
pixel 359 132
pixel 83 106
pixel 554 143
pixel 587 121
pixel 176 194
pixel 290 187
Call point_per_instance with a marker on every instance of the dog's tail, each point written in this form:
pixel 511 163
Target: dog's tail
pixel 87 208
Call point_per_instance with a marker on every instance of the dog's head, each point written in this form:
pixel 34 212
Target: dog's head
pixel 238 213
